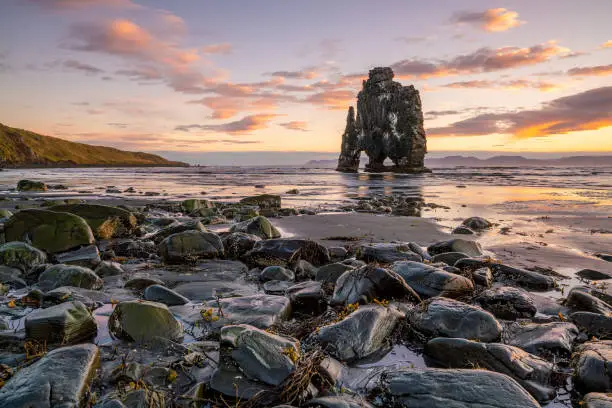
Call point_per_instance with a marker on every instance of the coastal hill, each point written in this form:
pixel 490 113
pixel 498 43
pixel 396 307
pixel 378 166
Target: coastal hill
pixel 22 148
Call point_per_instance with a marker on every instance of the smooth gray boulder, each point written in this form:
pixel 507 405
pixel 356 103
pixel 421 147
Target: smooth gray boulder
pixel 545 340
pixel 161 294
pixel 58 380
pixel 175 228
pixel 580 300
pixel 331 272
pixel 274 287
pixel 59 275
pixel 144 321
pixel 507 303
pixel 88 256
pixel 593 324
pixel 522 277
pixel 443 317
pixel 449 258
pixel 12 277
pixel 470 248
pixel 261 311
pixel 477 224
pixel 259 226
pixel 532 372
pixel 386 253
pixel 360 334
pixel 307 297
pixel 107 268
pixel 66 323
pixel 429 281
pixel 278 273
pixel 452 388
pixel 189 246
pixel 592 363
pixel 369 282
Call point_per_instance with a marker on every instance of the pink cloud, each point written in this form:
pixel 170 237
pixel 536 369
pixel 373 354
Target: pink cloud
pixel 222 48
pixel 493 20
pixel 295 125
pixel 245 125
pixel 599 70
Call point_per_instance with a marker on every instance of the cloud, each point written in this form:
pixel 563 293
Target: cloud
pixel 589 110
pixel 222 48
pixel 414 39
pixel 245 125
pixel 492 20
pixel 118 125
pixel 79 66
pixel 82 4
pixel 337 99
pixel 295 125
pixel 607 44
pixel 599 70
pixel 303 74
pixel 479 61
pixel 511 85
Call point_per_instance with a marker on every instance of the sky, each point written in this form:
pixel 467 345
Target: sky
pixel 191 77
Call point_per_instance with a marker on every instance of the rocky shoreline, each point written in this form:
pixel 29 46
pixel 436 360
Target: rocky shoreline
pixel 216 304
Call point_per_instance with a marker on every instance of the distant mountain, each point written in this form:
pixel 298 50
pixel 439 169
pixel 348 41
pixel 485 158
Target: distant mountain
pixel 22 148
pixel 496 161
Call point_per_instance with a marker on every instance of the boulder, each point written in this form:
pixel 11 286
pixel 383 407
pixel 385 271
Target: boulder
pixel 596 400
pixel 175 228
pixel 284 252
pixel 442 317
pixel 532 372
pixel 369 282
pixel 107 268
pixel 276 287
pixel 593 274
pixel 307 297
pixel 546 339
pixel 21 256
pixel 49 231
pixel 592 365
pixel 482 276
pixel 261 311
pixel 259 226
pixel 194 204
pixel 331 272
pixel 360 334
pixel 236 244
pixel 276 273
pixel 11 277
pixel 105 221
pixel 386 253
pixel 69 275
pixel 593 324
pixel 452 388
pixel 470 248
pixel 463 230
pixel 449 258
pixel 429 281
pixel 161 294
pixel 260 355
pixel 580 300
pixel 336 401
pixel 31 185
pixel 4 213
pixel 143 321
pixel 59 379
pixel 477 224
pixel 189 246
pixel 522 277
pixel 263 201
pixel 507 303
pixel 66 323
pixel 140 282
pixel 88 256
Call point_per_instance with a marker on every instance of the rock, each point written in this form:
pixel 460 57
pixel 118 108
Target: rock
pixel 547 339
pixel 462 230
pixel 507 303
pixel 532 372
pixel 87 256
pixel 107 268
pixel 261 311
pixel 194 204
pixel 237 244
pixel 284 252
pixel 69 275
pixel 21 256
pixel 59 379
pixel 189 225
pixel 229 380
pixel 593 275
pixel 592 365
pixel 337 253
pixel 66 323
pixel 263 201
pixel 105 221
pixel 276 273
pixel 331 272
pixel 482 277
pixel 477 224
pixel 442 317
pixel 449 258
pixel 4 213
pixel 605 257
pixel 304 270
pixel 452 388
pixel 360 334
pixel 429 281
pixel 276 287
pixel 30 185
pixel 143 321
pixel 470 248
pixel 596 400
pixel 49 231
pixel 260 355
pixel 579 300
pixel 134 249
pixel 307 297
pixel 141 282
pixel 189 246
pixel 161 294
pixel 259 226
pixel 593 324
pixel 337 401
pixel 370 282
pixel 385 253
pixel 10 277
pixel 522 277
pixel 389 124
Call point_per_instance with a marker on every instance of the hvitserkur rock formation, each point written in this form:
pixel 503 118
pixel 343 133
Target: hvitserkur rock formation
pixel 389 124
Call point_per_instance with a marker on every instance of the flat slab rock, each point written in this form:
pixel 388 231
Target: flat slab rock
pixel 59 379
pixel 592 365
pixel 429 281
pixel 453 388
pixel 544 339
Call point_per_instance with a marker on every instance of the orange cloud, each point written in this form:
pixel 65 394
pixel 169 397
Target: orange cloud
pixel 245 125
pixel 493 20
pixel 81 4
pixel 295 125
pixel 515 84
pixel 599 70
pixel 223 48
pixel 607 44
pixel 334 99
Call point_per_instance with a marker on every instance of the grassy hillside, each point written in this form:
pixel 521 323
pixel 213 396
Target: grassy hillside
pixel 21 148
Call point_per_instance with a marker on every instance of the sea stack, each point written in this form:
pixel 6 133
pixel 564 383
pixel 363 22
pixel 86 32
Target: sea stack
pixel 389 124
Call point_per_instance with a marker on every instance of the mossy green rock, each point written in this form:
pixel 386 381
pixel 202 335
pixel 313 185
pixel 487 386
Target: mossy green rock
pixel 66 323
pixel 105 221
pixel 190 245
pixel 49 231
pixel 59 275
pixel 143 321
pixel 193 204
pixel 21 255
pixel 263 201
pixel 259 226
pixel 30 185
pixel 5 213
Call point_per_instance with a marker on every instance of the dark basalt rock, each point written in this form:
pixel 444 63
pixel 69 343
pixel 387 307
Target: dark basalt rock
pixel 546 340
pixel 593 324
pixel 580 300
pixel 286 252
pixel 389 124
pixel 429 281
pixel 507 303
pixel 592 365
